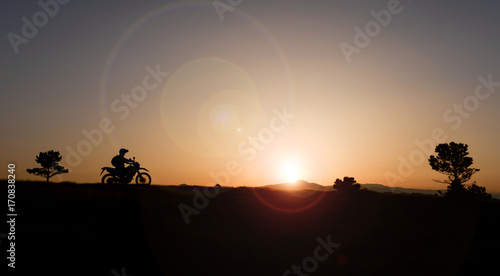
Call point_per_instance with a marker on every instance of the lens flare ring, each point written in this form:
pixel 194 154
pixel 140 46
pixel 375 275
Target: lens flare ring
pixel 292 210
pixel 141 23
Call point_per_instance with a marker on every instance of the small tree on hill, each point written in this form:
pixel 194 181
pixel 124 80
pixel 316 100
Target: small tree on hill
pixel 49 161
pixel 477 191
pixel 346 185
pixel 452 160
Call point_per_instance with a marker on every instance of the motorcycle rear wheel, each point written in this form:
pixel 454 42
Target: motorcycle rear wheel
pixel 143 179
pixel 109 179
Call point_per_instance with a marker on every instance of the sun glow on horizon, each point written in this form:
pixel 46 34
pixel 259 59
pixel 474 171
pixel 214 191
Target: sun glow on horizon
pixel 290 170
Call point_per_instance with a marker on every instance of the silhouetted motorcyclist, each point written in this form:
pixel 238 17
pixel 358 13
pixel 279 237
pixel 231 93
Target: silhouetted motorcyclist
pixel 119 161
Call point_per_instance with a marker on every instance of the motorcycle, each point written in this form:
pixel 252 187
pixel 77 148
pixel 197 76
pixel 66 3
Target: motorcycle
pixel 115 176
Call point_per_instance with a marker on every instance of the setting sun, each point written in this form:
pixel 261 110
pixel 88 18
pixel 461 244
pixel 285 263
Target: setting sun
pixel 290 170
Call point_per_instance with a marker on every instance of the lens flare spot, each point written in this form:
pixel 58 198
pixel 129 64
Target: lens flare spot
pixel 224 118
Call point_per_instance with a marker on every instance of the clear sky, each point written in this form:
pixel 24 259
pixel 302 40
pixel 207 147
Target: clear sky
pixel 252 92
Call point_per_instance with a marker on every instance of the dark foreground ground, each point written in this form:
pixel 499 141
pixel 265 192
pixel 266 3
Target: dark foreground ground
pixel 70 229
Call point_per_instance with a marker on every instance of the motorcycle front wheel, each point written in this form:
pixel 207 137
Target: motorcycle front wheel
pixel 109 179
pixel 143 179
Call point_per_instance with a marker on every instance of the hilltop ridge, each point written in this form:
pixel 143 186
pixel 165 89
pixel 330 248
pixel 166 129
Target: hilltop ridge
pixel 303 184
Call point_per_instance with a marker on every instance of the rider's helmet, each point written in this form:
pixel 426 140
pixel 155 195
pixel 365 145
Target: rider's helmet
pixel 123 151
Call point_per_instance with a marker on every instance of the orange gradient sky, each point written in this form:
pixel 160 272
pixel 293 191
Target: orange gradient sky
pixel 263 93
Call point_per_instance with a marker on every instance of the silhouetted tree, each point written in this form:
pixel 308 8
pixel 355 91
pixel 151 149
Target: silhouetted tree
pixel 347 185
pixel 452 160
pixel 49 162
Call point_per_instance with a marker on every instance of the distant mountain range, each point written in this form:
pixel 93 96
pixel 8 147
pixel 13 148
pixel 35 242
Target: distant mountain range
pixel 302 184
pixel 397 190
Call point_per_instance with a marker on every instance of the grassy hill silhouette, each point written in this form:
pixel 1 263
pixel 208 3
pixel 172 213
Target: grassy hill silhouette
pixel 93 229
